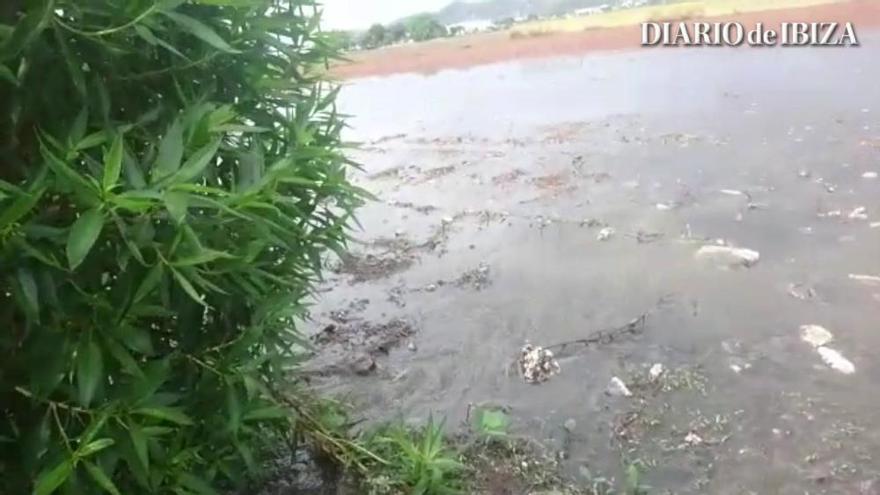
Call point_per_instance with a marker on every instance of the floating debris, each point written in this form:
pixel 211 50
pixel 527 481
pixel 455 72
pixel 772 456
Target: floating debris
pixel 869 175
pixel 804 174
pixel 858 213
pixel 605 234
pixel 693 439
pixel 729 255
pixel 656 370
pixel 865 279
pixel 830 214
pixel 617 388
pixel 665 206
pixel 836 361
pixel 648 237
pixel 816 335
pixel 732 192
pixel 739 367
pixel 537 364
pixel 801 291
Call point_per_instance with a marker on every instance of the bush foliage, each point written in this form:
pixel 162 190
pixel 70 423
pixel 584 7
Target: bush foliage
pixel 170 173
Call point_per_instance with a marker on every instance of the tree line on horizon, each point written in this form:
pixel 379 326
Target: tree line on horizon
pixel 421 27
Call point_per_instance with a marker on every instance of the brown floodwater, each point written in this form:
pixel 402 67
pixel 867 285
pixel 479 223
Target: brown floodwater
pixel 493 184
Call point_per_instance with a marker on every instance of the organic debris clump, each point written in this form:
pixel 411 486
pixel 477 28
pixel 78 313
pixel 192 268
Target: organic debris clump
pixel 537 364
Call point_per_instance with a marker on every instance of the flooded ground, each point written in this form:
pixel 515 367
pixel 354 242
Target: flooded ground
pixel 495 185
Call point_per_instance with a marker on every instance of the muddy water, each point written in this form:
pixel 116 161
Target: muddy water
pixel 493 184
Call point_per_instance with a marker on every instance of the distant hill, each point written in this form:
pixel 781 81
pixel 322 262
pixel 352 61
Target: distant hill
pixel 494 10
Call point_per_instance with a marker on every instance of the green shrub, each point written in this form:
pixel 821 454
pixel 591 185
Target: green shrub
pixel 170 174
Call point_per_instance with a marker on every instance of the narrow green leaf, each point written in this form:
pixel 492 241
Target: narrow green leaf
pixel 205 256
pixel 74 65
pixel 19 208
pixel 92 140
pixel 139 441
pixel 82 237
pixel 151 281
pixel 176 203
pixel 137 339
pixel 233 408
pixel 170 151
pixel 26 29
pixel 133 171
pixel 49 481
pixel 94 447
pixel 201 31
pixel 112 164
pixel 95 427
pixel 148 36
pixel 174 415
pixel 195 164
pixel 7 75
pixel 101 478
pixel 188 287
pixel 195 484
pixel 89 371
pixel 30 292
pixel 266 413
pixel 78 129
pixel 123 357
pixel 83 188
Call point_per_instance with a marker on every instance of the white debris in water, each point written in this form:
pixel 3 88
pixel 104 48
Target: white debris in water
pixel 865 279
pixel 858 213
pixel 732 192
pixel 801 291
pixel 656 370
pixel 831 214
pixel 729 255
pixel 874 225
pixel 804 174
pixel 605 234
pixel 693 439
pixel 816 335
pixel 836 361
pixel 446 220
pixel 869 175
pixel 736 368
pixel 537 364
pixel 664 206
pixel 617 388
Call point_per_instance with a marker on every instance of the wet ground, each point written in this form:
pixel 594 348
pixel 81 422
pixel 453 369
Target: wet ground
pixel 494 185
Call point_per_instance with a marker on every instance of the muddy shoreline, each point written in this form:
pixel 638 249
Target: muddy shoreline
pixel 480 49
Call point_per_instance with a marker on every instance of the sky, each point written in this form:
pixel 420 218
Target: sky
pixel 360 14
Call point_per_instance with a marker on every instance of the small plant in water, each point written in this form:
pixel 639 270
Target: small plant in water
pixel 418 462
pixel 633 482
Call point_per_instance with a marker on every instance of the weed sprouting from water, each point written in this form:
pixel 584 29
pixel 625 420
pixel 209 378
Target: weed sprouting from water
pixel 418 462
